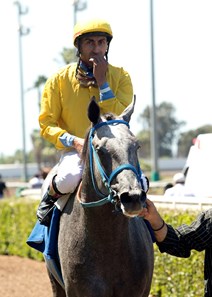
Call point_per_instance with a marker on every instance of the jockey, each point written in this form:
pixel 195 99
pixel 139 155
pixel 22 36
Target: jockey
pixel 66 95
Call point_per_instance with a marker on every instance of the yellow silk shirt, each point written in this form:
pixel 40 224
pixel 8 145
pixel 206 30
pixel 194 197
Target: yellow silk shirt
pixel 64 102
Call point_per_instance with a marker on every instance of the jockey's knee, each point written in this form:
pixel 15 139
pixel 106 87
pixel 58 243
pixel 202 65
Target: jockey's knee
pixel 67 183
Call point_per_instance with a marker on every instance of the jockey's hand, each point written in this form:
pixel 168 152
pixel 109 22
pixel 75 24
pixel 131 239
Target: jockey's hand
pixel 78 144
pixel 100 66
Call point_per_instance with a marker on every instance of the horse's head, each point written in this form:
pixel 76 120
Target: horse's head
pixel 113 162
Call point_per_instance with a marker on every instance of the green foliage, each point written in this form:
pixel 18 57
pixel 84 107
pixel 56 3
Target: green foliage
pixel 146 167
pixel 178 277
pixel 17 219
pixel 69 55
pixel 41 80
pixel 167 129
pixel 16 158
pixel 44 151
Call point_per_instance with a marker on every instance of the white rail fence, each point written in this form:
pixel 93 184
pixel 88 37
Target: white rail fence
pixel 193 203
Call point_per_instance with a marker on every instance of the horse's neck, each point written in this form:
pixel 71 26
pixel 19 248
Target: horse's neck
pixel 88 193
pixel 103 224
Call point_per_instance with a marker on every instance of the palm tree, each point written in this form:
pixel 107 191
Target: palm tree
pixel 38 84
pixel 69 55
pixel 37 141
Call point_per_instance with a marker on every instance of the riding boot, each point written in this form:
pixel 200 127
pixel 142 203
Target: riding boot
pixel 47 204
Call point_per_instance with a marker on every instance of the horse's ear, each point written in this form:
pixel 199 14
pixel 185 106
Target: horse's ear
pixel 126 114
pixel 93 111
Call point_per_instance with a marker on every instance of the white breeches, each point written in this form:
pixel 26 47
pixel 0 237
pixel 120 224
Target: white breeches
pixel 69 172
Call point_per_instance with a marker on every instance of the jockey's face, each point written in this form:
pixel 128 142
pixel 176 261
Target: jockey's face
pixel 91 47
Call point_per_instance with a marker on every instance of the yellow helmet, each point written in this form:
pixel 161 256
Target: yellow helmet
pixel 97 26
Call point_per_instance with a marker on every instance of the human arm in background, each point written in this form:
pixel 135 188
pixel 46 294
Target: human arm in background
pixel 181 240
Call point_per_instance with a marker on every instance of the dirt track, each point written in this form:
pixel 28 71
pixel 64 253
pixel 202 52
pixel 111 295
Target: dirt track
pixel 20 277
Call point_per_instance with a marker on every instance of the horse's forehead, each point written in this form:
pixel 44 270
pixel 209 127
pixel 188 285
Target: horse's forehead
pixel 116 131
pixel 119 130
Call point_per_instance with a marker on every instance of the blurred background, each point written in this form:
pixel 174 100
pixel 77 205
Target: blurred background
pixel 164 45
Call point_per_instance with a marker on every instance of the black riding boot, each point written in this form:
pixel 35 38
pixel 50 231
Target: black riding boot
pixel 45 208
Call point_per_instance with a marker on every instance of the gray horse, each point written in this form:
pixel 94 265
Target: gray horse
pixel 105 250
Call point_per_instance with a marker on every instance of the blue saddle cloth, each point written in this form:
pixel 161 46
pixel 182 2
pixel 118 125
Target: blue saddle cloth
pixel 45 240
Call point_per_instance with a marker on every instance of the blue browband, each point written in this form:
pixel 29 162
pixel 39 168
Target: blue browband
pixel 106 180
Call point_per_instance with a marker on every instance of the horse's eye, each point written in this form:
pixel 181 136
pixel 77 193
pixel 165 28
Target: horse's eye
pixel 98 148
pixel 138 147
pixel 101 150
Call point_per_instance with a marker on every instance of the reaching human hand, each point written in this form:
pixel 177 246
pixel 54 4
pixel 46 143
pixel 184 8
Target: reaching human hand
pixel 158 225
pixel 151 214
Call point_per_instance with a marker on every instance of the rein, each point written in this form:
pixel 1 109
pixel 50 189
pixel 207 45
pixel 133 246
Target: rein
pixel 93 156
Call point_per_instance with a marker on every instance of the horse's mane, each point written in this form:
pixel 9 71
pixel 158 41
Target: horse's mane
pixel 104 117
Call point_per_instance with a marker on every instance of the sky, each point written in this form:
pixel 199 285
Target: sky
pixel 183 57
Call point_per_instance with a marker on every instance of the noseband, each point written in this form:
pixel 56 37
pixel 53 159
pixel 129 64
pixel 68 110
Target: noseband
pixel 93 157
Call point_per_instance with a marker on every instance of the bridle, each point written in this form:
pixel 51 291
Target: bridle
pixel 107 180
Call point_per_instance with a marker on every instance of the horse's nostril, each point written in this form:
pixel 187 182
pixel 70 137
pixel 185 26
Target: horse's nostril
pixel 125 198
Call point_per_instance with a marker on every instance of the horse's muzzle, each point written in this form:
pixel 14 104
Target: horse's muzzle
pixel 132 203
